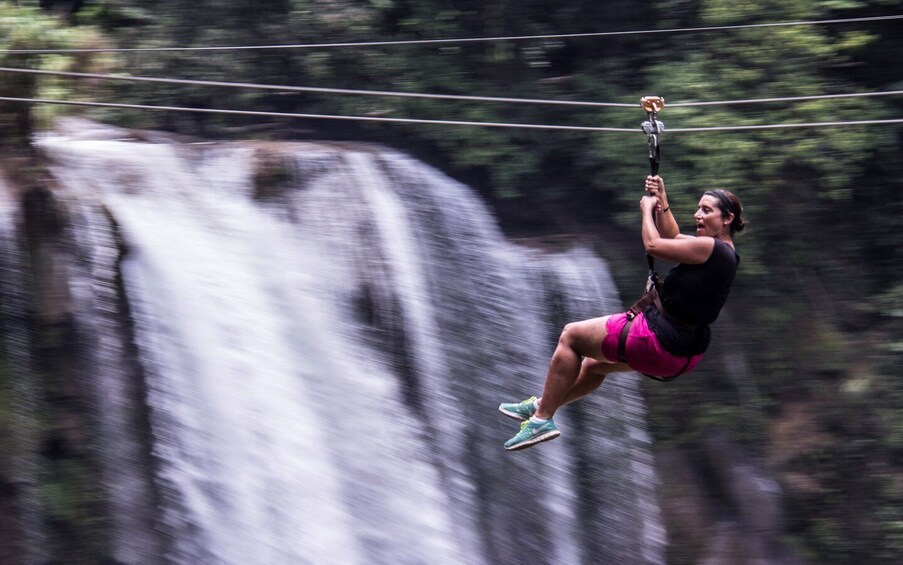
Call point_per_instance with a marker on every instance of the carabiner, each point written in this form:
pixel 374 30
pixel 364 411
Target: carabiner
pixel 653 128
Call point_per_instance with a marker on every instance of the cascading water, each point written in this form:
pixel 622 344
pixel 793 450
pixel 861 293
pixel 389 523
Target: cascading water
pixel 321 342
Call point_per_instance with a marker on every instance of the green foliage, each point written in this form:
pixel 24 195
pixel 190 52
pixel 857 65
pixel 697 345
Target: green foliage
pixel 70 497
pixel 854 511
pixel 818 299
pixel 23 28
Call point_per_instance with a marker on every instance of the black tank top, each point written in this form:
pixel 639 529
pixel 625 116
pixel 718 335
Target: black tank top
pixel 694 294
pixel 697 293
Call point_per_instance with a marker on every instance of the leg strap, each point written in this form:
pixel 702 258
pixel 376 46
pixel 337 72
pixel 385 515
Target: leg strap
pixel 622 338
pixel 622 351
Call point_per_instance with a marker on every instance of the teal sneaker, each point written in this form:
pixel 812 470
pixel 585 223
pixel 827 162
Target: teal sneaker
pixel 519 410
pixel 532 433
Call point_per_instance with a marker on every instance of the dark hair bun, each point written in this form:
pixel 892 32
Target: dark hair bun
pixel 739 222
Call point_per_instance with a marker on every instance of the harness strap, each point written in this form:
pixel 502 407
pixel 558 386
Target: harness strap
pixel 622 351
pixel 622 339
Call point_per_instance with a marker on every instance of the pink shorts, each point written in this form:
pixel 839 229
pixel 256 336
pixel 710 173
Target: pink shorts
pixel 643 351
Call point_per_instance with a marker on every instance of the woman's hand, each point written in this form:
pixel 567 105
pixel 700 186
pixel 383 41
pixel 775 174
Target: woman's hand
pixel 655 186
pixel 648 202
pixel 665 223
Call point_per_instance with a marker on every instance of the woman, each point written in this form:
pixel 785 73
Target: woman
pixel 669 337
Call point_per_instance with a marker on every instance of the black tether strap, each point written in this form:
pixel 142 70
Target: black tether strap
pixel 653 129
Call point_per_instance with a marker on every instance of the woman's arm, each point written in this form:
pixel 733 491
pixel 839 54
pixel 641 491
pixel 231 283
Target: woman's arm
pixel 684 249
pixel 667 224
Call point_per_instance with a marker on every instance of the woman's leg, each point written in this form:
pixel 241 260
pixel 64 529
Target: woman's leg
pixel 592 373
pixel 577 366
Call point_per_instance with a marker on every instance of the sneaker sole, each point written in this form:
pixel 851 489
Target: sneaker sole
pixel 552 434
pixel 513 415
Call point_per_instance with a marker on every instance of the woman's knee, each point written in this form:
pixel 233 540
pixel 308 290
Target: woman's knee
pixel 583 336
pixel 568 336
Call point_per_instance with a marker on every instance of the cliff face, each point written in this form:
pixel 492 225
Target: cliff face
pixel 50 477
pixel 11 372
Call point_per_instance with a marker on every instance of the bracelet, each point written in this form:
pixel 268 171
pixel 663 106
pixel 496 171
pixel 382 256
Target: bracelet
pixel 665 209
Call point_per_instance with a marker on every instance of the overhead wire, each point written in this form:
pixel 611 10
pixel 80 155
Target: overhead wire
pixel 315 89
pixel 312 116
pixel 469 98
pixel 787 125
pixel 359 44
pixel 288 88
pixel 439 122
pixel 784 99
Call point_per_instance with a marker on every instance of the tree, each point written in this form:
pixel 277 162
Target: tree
pixel 24 28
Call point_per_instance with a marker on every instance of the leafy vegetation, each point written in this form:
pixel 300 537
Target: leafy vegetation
pixel 816 312
pixel 23 28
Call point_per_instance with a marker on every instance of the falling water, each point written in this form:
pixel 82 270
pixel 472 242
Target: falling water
pixel 300 348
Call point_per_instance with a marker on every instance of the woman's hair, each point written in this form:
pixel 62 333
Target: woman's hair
pixel 729 204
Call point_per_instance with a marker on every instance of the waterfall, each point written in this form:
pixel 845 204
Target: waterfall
pixel 298 351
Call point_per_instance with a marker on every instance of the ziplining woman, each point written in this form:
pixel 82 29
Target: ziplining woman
pixel 666 339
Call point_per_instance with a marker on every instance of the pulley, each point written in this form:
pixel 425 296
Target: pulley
pixel 653 129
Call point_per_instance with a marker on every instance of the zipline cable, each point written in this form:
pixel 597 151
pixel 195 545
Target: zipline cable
pixel 320 90
pixel 312 116
pixel 451 40
pixel 323 90
pixel 436 122
pixel 790 125
pixel 784 99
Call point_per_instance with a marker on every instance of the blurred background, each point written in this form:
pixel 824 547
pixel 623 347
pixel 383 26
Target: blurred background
pixel 256 337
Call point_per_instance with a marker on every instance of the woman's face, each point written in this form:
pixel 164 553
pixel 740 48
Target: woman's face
pixel 709 219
